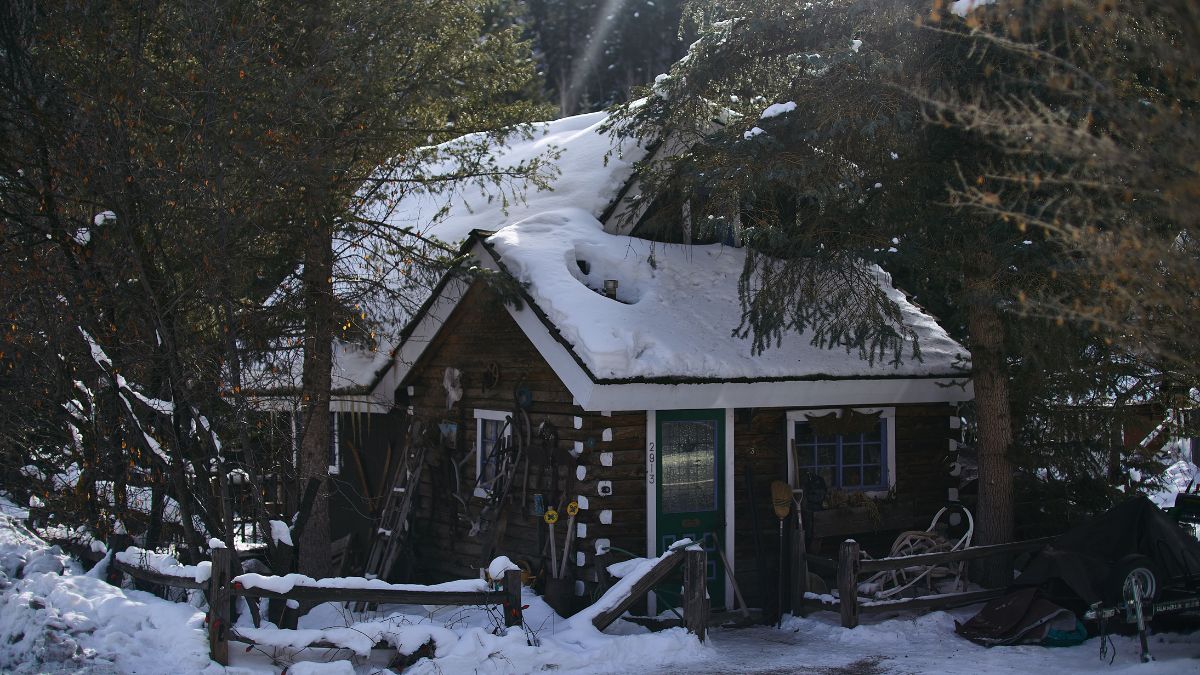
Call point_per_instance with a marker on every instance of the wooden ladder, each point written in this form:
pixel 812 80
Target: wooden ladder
pixel 392 533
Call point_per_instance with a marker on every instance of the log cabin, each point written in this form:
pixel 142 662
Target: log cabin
pixel 635 400
pixel 591 367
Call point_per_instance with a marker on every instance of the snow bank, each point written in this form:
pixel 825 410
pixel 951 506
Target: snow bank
pixel 359 637
pixel 55 619
pixel 664 288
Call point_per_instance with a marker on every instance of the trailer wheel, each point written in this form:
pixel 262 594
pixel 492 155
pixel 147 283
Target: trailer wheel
pixel 1134 569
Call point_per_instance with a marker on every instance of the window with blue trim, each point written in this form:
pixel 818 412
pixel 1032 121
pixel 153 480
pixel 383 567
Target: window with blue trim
pixel 856 461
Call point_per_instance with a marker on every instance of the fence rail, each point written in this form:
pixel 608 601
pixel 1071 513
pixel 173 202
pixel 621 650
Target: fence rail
pixel 851 566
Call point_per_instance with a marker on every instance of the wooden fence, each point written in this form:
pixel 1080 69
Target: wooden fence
pixel 850 566
pixel 222 589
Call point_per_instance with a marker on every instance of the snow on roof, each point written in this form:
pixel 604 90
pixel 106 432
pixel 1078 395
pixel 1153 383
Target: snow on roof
pixel 676 308
pixel 589 178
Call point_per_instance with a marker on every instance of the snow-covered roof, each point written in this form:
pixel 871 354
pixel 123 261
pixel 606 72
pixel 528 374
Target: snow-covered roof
pixel 677 309
pixel 668 339
pixel 589 173
pixel 677 306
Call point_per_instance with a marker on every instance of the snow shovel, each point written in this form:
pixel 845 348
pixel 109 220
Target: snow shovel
pixel 781 499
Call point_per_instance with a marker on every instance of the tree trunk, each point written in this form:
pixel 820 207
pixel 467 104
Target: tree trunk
pixel 994 514
pixel 314 550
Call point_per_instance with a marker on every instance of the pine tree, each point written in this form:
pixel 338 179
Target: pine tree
pixel 846 172
pixel 169 165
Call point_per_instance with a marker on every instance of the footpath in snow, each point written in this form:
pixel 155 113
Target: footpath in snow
pixel 54 618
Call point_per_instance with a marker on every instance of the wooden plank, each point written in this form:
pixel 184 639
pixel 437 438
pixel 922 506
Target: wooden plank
pixel 695 592
pixel 219 614
pixel 944 601
pixel 848 571
pixel 154 577
pixel 374 595
pixel 972 553
pixel 656 574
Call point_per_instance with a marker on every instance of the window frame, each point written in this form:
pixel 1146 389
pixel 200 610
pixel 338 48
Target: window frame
pixel 482 414
pixel 887 414
pixel 335 443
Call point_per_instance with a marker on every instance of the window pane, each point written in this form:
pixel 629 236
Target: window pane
pixel 852 476
pixel 490 432
pixel 689 466
pixel 827 455
pixel 871 454
pixel 872 476
pixel 806 455
pixel 851 454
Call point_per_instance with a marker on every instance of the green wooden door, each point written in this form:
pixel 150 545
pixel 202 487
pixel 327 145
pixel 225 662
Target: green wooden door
pixel 690 468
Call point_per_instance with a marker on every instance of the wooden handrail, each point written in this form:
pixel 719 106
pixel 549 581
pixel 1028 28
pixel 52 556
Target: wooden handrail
pixel 372 595
pixel 156 577
pixel 656 574
pixel 944 601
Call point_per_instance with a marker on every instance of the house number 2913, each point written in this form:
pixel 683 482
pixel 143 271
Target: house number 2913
pixel 650 465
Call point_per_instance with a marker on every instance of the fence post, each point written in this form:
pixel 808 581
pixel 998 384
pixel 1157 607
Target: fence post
pixel 848 562
pixel 281 564
pixel 512 598
pixel 799 567
pixel 117 543
pixel 218 605
pixel 695 592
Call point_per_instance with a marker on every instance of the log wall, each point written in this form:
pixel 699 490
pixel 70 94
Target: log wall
pixel 477 335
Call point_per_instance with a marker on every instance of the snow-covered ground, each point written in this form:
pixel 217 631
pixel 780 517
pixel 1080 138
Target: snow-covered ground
pixel 56 619
pixel 924 644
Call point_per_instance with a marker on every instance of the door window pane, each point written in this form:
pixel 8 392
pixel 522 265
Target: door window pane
pixel 689 466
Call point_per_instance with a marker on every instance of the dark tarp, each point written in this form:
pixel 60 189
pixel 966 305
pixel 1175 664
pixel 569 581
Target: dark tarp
pixel 1074 569
pixel 1073 572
